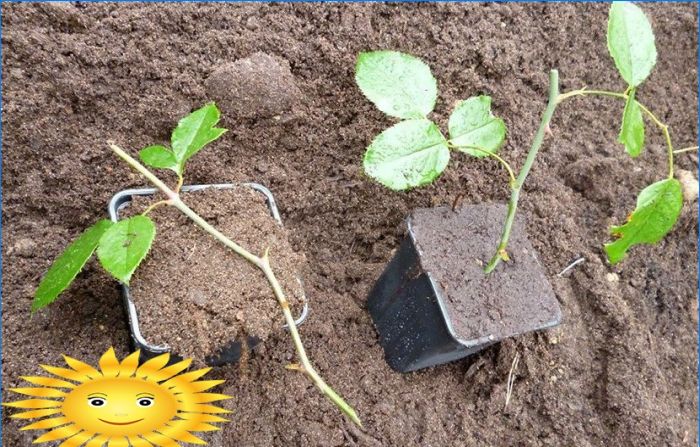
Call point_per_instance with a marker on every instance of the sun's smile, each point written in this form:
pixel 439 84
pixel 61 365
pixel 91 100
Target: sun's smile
pixel 121 423
pixel 122 403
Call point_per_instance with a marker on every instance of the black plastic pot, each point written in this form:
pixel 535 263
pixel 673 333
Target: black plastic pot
pixel 230 352
pixel 409 308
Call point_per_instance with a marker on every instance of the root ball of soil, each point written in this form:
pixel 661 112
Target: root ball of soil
pixel 258 86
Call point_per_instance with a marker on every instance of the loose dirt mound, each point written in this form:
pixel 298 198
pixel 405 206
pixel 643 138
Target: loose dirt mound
pixel 621 369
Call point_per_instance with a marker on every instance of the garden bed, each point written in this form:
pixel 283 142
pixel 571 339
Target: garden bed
pixel 621 370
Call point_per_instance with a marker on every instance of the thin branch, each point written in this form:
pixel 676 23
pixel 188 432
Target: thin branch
pixel 263 263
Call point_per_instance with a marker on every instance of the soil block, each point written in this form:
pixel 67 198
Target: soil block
pixel 433 304
pixel 192 297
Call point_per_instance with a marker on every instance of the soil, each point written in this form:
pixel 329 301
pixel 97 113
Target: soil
pixel 621 369
pixel 455 246
pixel 194 294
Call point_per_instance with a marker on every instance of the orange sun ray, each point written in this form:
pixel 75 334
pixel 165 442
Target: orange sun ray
pixel 189 425
pixel 34 414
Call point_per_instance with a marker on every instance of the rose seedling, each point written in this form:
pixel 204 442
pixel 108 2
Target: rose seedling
pixel 121 246
pixel 414 152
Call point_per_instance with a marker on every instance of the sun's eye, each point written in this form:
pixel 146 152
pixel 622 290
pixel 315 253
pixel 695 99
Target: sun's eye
pixel 97 401
pixel 144 401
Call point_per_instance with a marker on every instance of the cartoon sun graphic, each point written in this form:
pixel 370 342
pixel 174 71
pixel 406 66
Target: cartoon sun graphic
pixel 121 404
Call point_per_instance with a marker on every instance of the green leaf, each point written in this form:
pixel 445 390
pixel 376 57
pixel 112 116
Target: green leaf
pixel 632 131
pixel 125 245
pixel 159 157
pixel 631 42
pixel 658 207
pixel 399 84
pixel 473 124
pixel 64 269
pixel 409 154
pixel 195 131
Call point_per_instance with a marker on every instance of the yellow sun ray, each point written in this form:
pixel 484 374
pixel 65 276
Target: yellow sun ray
pixel 109 364
pixel 194 387
pixel 47 423
pixel 120 404
pixel 97 441
pixel 118 442
pixel 34 404
pixel 192 425
pixel 203 398
pixel 48 381
pixel 77 440
pixel 129 364
pixel 200 408
pixel 58 434
pixel 170 371
pixel 201 417
pixel 34 414
pixel 65 373
pixel 39 392
pixel 181 435
pixel 160 440
pixel 81 367
pixel 186 378
pixel 139 442
pixel 152 366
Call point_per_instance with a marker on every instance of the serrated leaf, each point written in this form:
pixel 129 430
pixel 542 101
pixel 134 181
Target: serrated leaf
pixel 472 124
pixel 159 157
pixel 122 248
pixel 631 42
pixel 408 154
pixel 399 84
pixel 658 207
pixel 632 131
pixel 195 131
pixel 64 269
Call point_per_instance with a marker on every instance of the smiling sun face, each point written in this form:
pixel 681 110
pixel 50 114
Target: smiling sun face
pixel 122 404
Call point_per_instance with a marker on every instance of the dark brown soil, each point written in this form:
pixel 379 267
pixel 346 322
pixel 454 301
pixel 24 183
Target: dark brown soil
pixel 193 293
pixel 620 371
pixel 455 247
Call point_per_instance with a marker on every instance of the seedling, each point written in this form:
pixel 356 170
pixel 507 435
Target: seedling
pixel 414 152
pixel 123 245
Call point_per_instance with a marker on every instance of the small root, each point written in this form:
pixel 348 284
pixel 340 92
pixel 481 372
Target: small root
pixel 511 379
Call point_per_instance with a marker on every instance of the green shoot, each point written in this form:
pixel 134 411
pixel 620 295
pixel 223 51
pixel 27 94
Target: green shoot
pixel 414 152
pixel 122 246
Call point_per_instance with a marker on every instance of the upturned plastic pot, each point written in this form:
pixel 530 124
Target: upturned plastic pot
pixel 229 352
pixel 408 307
